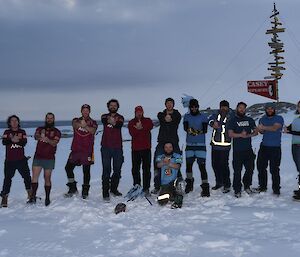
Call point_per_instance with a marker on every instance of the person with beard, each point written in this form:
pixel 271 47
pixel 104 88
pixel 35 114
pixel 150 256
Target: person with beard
pixel 82 151
pixel 270 125
pixel 195 125
pixel 241 129
pixel 47 139
pixel 169 120
pixel 111 149
pixel 14 138
pixel 140 130
pixel 220 147
pixel 294 130
pixel 170 189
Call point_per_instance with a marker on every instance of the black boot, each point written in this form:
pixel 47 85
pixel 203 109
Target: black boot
pixel 189 185
pixel 47 192
pixel 29 193
pixel 177 202
pixel 72 189
pixel 116 192
pixel 296 192
pixel 205 190
pixel 85 191
pixel 4 201
pixel 216 187
pixel 105 189
pixel 34 187
pixel 296 196
pixel 114 186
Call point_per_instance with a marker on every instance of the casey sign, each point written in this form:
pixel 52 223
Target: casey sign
pixel 266 88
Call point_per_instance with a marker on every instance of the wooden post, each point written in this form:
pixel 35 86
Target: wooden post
pixel 277 47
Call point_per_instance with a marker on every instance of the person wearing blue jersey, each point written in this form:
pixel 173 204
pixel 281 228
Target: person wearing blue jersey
pixel 195 125
pixel 294 130
pixel 270 125
pixel 169 164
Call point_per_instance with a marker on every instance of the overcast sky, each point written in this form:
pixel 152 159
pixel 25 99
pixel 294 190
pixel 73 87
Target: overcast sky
pixel 56 55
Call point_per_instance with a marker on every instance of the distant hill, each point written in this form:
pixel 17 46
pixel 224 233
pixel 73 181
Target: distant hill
pixel 256 111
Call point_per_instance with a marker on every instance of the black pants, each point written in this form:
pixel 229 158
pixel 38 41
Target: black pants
pixel 141 157
pixel 269 155
pixel 86 172
pixel 240 159
pixel 10 168
pixel 220 164
pixel 202 167
pixel 174 195
pixel 296 158
pixel 158 151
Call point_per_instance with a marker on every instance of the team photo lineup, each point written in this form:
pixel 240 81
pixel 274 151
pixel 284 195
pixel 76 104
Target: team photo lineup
pixel 230 129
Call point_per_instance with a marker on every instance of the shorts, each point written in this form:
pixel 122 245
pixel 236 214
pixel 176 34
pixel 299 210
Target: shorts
pixel 198 152
pixel 45 164
pixel 81 158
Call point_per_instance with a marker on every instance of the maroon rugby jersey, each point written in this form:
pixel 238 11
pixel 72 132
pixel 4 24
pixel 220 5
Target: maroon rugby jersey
pixel 44 150
pixel 112 136
pixel 83 141
pixel 141 138
pixel 14 151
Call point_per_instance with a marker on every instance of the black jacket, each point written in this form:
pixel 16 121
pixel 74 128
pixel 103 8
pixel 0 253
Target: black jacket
pixel 168 130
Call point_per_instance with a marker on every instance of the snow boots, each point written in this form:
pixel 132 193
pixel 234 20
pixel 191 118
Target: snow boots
pixel 205 190
pixel 178 199
pixel 72 189
pixel 114 186
pixel 47 193
pixel 105 189
pixel 29 193
pixel 32 199
pixel 189 185
pixel 4 201
pixel 85 191
pixel 296 195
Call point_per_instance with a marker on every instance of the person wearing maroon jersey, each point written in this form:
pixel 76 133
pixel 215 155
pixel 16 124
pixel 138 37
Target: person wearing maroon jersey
pixel 14 138
pixel 140 130
pixel 111 149
pixel 47 139
pixel 82 151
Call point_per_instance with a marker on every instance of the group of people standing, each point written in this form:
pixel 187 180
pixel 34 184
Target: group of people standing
pixel 227 126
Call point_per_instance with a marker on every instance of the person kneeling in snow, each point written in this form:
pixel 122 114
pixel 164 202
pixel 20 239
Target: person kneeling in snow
pixel 171 179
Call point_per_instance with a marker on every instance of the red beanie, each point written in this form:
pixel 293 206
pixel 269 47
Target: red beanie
pixel 139 109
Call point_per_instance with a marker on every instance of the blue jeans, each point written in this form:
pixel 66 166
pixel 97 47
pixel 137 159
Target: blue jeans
pixel 117 158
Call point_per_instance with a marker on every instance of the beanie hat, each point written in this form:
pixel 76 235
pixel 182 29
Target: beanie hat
pixel 224 103
pixel 194 102
pixel 269 105
pixel 138 109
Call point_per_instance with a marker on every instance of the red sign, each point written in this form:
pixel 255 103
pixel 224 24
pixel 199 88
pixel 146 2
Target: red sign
pixel 266 88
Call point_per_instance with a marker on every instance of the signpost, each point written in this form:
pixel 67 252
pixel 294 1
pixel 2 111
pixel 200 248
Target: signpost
pixel 269 87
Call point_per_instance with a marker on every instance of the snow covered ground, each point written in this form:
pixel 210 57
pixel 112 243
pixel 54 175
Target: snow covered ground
pixel 258 225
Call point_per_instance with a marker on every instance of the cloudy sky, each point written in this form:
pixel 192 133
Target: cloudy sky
pixel 56 55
